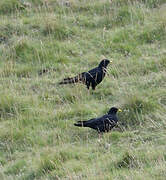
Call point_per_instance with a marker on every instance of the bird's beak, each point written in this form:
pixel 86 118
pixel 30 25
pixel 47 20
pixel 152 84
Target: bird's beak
pixel 119 110
pixel 110 61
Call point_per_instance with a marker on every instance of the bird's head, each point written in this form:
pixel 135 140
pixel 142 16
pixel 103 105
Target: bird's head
pixel 104 63
pixel 114 110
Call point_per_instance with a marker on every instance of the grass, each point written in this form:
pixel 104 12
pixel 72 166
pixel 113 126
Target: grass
pixel 41 42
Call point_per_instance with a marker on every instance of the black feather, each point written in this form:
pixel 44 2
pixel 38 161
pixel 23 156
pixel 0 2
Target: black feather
pixel 91 78
pixel 102 124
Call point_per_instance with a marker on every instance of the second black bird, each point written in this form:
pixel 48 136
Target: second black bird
pixel 91 78
pixel 102 124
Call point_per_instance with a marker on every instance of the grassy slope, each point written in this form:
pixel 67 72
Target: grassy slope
pixel 37 136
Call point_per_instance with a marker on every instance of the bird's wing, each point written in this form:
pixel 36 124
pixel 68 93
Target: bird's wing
pixel 92 73
pixel 91 121
pixel 109 119
pixel 97 121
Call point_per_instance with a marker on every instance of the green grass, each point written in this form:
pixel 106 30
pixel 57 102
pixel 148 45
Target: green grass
pixel 41 42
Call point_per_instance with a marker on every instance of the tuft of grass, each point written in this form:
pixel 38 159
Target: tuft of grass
pixel 147 3
pixel 12 69
pixel 150 35
pixel 59 30
pixel 9 6
pixel 134 108
pixel 10 106
pixel 127 161
pixel 17 167
pixel 26 51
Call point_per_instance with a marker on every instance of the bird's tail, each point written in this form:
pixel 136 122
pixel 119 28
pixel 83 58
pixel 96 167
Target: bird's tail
pixel 72 80
pixel 80 123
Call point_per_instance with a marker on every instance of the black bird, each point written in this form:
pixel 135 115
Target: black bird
pixel 91 78
pixel 102 124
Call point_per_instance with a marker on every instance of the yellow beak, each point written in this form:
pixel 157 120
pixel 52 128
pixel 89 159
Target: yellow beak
pixel 119 110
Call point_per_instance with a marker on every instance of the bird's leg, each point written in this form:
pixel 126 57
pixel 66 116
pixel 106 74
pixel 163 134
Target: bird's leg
pixel 93 86
pixel 87 84
pixel 99 136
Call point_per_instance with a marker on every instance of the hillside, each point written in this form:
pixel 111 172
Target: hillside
pixel 44 41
